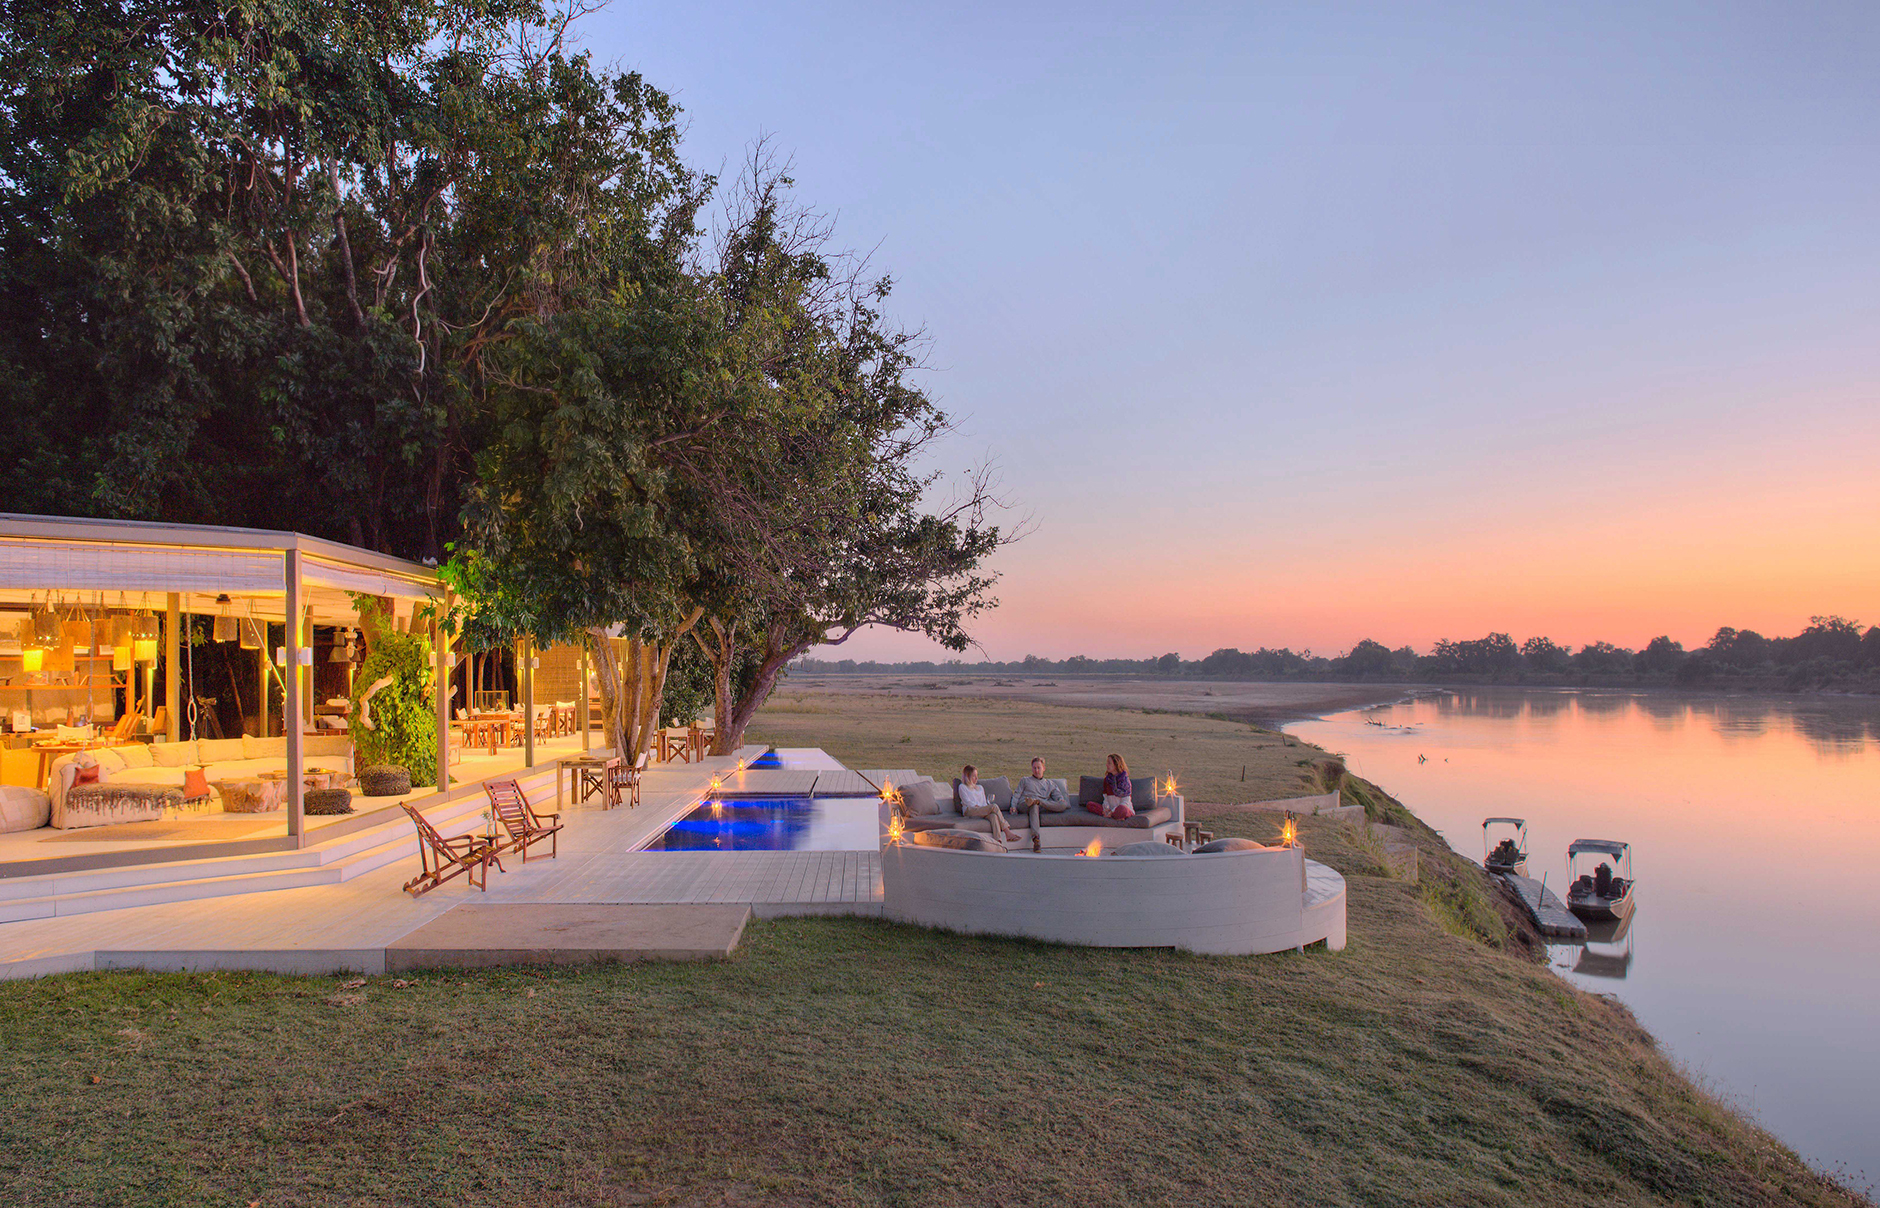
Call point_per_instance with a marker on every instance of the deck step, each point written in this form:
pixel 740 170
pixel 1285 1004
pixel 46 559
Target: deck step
pixel 341 859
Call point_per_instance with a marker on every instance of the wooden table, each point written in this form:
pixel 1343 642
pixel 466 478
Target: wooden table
pixel 259 794
pixel 49 753
pixel 578 763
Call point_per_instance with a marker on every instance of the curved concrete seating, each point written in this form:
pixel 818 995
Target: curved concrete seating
pixel 1225 903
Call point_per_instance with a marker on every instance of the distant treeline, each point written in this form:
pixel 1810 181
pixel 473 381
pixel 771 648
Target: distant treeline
pixel 1832 651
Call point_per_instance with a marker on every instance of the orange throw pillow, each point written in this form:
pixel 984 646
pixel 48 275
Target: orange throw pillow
pixel 195 785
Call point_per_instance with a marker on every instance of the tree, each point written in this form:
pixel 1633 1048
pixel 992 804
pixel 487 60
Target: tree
pixel 1367 659
pixel 262 256
pixel 1541 654
pixel 1602 658
pixel 1661 656
pixel 1832 637
pixel 810 518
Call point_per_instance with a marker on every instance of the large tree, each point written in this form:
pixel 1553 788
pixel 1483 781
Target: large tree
pixel 254 260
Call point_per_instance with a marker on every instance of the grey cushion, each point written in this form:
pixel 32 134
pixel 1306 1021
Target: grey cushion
pixel 998 791
pixel 1083 817
pixel 1147 851
pixel 1142 792
pixel 1089 789
pixel 1229 844
pixel 920 798
pixel 956 838
pixel 23 808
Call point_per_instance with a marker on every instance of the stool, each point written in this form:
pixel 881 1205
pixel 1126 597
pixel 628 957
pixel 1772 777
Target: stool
pixel 385 780
pixel 323 802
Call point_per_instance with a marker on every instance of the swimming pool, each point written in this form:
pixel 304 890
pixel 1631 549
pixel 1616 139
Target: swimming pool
pixel 776 824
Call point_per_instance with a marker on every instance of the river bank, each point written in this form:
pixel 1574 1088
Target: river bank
pixel 855 1063
pixel 1434 1039
pixel 1258 703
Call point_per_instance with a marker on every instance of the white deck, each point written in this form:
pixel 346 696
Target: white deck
pixel 348 924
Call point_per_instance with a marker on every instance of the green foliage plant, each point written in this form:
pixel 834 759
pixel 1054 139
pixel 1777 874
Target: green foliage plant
pixel 404 725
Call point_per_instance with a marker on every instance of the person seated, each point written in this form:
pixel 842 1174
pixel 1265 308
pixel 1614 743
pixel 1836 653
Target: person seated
pixel 1035 790
pixel 1116 791
pixel 973 804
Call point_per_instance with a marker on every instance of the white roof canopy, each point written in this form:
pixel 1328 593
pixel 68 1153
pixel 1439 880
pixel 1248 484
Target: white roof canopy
pixel 137 564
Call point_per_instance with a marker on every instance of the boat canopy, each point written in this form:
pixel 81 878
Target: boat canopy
pixel 1610 847
pixel 1488 822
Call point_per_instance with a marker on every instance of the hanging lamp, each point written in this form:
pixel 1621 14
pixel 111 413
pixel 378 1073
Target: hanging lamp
pixel 144 636
pixel 224 621
pixel 254 633
pixel 46 629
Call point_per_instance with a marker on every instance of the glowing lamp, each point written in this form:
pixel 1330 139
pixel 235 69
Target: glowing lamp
pixel 224 622
pixel 32 659
pixel 253 637
pixel 78 636
pixel 895 828
pixel 46 628
pixel 121 657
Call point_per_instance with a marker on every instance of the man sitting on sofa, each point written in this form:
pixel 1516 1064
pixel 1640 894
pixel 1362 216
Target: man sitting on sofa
pixel 1035 792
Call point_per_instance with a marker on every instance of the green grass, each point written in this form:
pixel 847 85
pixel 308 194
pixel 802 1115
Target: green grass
pixel 853 1062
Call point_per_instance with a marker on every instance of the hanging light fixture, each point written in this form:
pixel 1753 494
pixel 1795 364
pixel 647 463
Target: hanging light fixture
pixel 254 632
pixel 32 658
pixel 224 621
pixel 342 647
pixel 144 636
pixel 46 630
pixel 78 633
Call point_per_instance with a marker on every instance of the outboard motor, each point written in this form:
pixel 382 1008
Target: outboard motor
pixel 1602 880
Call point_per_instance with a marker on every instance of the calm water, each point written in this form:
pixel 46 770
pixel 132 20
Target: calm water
pixel 1754 953
pixel 776 824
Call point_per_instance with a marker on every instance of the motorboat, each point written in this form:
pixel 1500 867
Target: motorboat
pixel 1604 893
pixel 1510 854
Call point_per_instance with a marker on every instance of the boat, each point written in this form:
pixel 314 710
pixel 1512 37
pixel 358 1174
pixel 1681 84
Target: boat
pixel 1509 855
pixel 1603 893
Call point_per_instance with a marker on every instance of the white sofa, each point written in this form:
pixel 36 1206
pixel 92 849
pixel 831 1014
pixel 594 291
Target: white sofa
pixel 164 764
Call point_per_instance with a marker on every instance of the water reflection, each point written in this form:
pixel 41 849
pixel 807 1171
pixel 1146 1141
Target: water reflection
pixel 1761 969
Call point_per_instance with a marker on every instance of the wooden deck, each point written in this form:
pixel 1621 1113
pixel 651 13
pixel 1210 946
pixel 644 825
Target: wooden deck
pixel 352 924
pixel 1549 913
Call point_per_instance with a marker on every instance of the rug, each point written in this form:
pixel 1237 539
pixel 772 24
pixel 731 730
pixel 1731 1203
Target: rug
pixel 208 830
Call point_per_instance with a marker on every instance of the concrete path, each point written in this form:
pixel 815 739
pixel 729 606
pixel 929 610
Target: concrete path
pixel 476 935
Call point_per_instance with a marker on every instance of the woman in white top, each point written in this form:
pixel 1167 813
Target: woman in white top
pixel 973 804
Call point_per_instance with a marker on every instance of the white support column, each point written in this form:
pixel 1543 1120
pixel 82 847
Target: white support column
pixel 172 669
pixel 292 717
pixel 441 691
pixel 528 702
pixel 586 721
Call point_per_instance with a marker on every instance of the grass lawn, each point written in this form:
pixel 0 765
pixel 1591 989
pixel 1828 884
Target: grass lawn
pixel 846 1061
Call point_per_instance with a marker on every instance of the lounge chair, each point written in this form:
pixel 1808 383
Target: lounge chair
pixel 523 825
pixel 447 859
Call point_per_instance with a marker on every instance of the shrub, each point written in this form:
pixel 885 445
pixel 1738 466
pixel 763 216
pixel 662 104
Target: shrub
pixel 404 726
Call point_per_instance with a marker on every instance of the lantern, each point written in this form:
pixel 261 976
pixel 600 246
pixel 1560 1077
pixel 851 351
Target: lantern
pixel 32 659
pixel 46 627
pixel 224 622
pixel 254 634
pixel 144 636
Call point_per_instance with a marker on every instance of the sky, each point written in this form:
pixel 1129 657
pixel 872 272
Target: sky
pixel 1289 325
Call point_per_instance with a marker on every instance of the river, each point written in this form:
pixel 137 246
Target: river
pixel 1754 951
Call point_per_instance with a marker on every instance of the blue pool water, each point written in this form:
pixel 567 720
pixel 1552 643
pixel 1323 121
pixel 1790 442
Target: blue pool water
pixel 769 759
pixel 776 824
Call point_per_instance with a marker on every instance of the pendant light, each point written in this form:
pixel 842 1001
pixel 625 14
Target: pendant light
pixel 224 621
pixel 32 658
pixel 144 636
pixel 46 631
pixel 342 647
pixel 253 632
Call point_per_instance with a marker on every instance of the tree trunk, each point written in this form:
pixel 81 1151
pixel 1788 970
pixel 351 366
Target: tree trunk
pixel 775 660
pixel 607 676
pixel 722 652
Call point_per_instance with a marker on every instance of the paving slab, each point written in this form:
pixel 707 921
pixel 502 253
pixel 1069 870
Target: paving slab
pixel 478 936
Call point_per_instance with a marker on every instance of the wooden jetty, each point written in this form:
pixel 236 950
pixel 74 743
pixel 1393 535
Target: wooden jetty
pixel 1549 913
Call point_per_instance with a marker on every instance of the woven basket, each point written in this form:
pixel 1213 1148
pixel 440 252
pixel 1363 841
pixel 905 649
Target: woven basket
pixel 326 801
pixel 386 780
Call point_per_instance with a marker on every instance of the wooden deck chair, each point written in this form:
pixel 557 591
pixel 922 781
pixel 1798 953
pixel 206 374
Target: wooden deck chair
pixel 623 782
pixel 523 825
pixel 446 859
